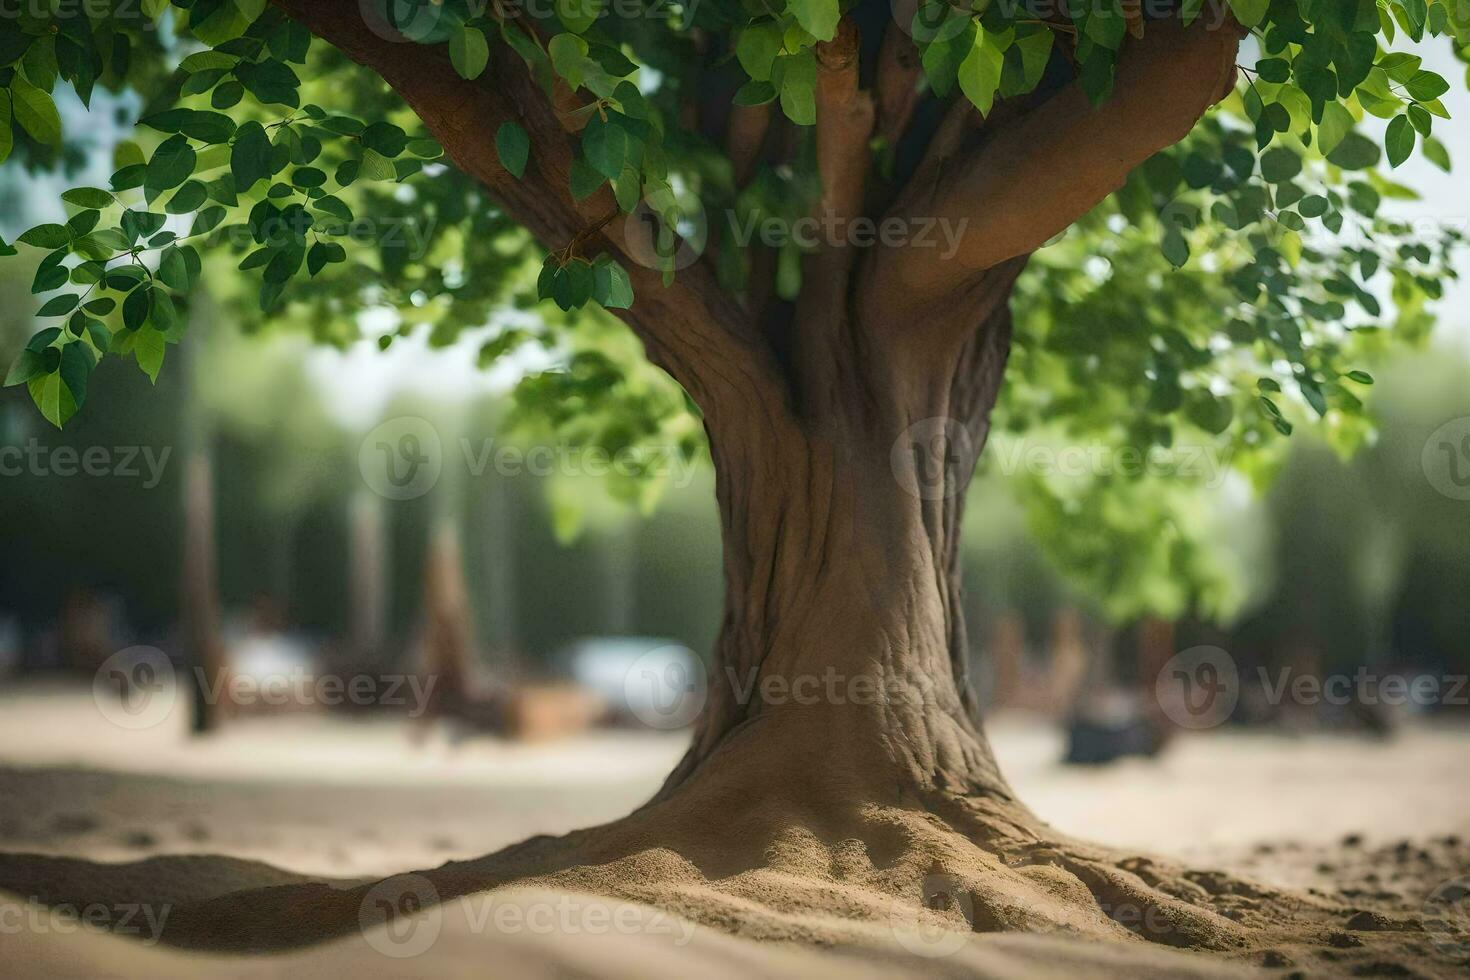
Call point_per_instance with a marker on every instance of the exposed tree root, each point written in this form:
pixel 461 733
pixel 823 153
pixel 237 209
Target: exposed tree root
pixel 877 874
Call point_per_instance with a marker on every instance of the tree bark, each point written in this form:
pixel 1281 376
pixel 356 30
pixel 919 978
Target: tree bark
pixel 844 629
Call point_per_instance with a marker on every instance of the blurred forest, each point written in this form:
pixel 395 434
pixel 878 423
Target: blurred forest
pixel 1342 562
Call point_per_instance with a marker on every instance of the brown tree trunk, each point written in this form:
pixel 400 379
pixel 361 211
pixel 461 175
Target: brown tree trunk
pixel 844 638
pixel 200 599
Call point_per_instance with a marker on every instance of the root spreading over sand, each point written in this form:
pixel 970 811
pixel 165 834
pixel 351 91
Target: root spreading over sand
pixel 943 888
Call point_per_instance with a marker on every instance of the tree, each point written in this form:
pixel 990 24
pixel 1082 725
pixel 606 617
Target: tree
pixel 820 221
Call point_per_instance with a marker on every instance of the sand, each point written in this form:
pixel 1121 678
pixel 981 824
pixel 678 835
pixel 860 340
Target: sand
pixel 1367 830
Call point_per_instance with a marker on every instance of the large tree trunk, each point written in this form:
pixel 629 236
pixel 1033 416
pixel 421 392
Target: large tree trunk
pixel 844 633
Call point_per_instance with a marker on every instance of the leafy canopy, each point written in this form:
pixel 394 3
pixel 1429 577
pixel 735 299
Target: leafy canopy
pixel 1234 288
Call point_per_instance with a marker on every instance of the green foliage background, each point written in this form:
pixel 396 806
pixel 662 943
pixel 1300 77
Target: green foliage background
pixel 1239 286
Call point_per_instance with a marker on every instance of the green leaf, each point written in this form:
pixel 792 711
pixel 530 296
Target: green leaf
pixel 1426 86
pixel 1035 54
pixel 1355 152
pixel 817 17
pixel 7 135
pixel 612 287
pixel 250 157
pixel 980 72
pixel 1336 123
pixel 797 74
pixel 46 236
pixel 385 138
pixel 187 199
pixel 568 57
pixel 1279 165
pixel 29 364
pixel 148 348
pixel 53 398
pixel 173 272
pixel 757 48
pixel 59 305
pixel 77 363
pixel 469 52
pixel 513 147
pixel 171 165
pixel 1251 12
pixel 1399 140
pixel 137 307
pixel 87 197
pixel 35 111
pixel 1436 153
pixel 1361 377
pixel 584 179
pixel 755 93
pixel 578 16
pixel 605 145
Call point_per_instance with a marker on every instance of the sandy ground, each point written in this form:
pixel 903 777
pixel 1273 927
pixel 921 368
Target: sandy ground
pixel 1355 820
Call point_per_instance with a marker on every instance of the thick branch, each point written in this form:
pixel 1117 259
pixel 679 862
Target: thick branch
pixel 1041 173
pixel 844 124
pixel 896 78
pixel 692 329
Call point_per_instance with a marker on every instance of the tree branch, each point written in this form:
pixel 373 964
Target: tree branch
pixel 693 329
pixel 1040 173
pixel 896 78
pixel 844 124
